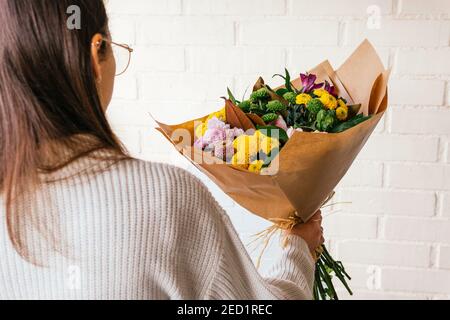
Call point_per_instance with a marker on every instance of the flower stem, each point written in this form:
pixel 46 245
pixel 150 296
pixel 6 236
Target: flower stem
pixel 325 267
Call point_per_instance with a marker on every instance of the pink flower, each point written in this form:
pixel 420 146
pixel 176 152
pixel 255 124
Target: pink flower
pixel 215 123
pixel 232 134
pixel 290 132
pixel 200 143
pixel 224 151
pixel 280 123
pixel 214 135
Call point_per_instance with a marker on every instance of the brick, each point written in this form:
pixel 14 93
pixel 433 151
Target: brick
pixel 444 257
pixel 380 295
pixel 144 7
pixel 125 87
pixel 126 113
pixel 401 148
pixel 384 253
pixel 423 33
pixel 420 280
pixel 350 226
pixel 419 7
pixel 378 201
pixel 130 137
pixel 279 32
pixel 247 223
pixel 432 62
pixel 364 277
pixel 236 60
pixel 339 8
pixel 363 174
pixel 447 102
pixel 123 30
pixel 416 92
pixel 424 230
pixel 420 120
pixel 448 152
pixel 182 87
pixel 153 141
pixel 429 177
pixel 446 205
pixel 235 7
pixel 306 58
pixel 178 111
pixel 157 59
pixel 186 30
pixel 244 83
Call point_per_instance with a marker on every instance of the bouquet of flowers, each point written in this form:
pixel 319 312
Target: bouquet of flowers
pixel 281 152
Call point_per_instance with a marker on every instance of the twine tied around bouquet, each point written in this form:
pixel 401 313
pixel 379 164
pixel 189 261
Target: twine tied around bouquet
pixel 283 224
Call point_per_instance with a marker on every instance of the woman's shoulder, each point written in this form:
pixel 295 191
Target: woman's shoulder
pixel 163 173
pixel 168 181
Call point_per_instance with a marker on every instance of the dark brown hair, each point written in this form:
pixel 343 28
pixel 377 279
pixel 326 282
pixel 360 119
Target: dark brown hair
pixel 47 93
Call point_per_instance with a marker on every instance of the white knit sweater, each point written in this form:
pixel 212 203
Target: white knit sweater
pixel 139 230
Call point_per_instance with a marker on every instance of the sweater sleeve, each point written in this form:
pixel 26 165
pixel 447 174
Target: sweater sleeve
pixel 209 261
pixel 290 278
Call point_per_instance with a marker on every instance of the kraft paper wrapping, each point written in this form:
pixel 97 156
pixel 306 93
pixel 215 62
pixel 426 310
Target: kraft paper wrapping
pixel 310 164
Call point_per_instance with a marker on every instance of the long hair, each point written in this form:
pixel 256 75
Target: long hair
pixel 48 93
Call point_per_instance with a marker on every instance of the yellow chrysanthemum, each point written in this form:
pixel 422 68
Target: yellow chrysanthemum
pixel 200 130
pixel 303 98
pixel 329 101
pixel 221 115
pixel 342 113
pixel 341 103
pixel 320 92
pixel 246 146
pixel 240 160
pixel 268 144
pixel 256 166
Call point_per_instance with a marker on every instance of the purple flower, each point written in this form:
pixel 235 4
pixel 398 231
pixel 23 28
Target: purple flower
pixel 218 139
pixel 224 151
pixel 200 143
pixel 232 134
pixel 215 123
pixel 329 88
pixel 309 82
pixel 214 135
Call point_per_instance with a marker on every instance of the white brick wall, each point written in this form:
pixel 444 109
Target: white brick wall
pixel 395 235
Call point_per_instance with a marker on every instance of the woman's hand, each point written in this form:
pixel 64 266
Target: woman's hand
pixel 311 232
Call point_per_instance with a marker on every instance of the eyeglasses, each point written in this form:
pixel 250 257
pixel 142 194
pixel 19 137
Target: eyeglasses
pixel 122 55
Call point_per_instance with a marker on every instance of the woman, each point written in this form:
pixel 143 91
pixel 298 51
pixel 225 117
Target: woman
pixel 82 220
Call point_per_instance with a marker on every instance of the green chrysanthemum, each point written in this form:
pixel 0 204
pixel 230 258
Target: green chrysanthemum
pixel 275 106
pixel 270 117
pixel 315 106
pixel 260 95
pixel 256 108
pixel 245 106
pixel 290 97
pixel 325 120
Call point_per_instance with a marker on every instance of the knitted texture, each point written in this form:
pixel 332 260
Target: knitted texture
pixel 138 230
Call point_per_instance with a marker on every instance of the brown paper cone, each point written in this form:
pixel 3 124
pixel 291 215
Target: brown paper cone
pixel 310 164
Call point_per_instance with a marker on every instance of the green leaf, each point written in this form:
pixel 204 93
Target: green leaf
pixel 287 81
pixel 281 92
pixel 282 135
pixel 231 96
pixel 353 110
pixel 350 123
